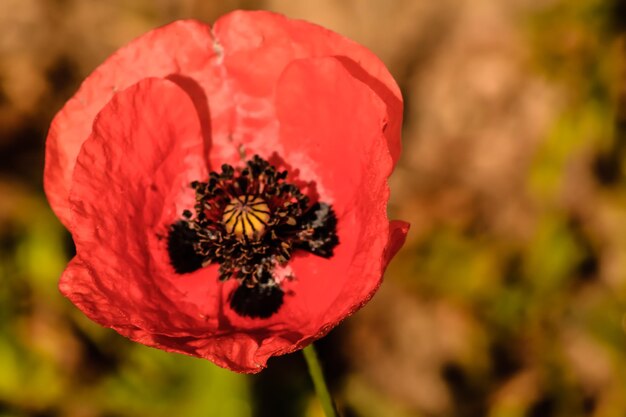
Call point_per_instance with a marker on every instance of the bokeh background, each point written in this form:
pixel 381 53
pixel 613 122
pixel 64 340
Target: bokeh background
pixel 509 298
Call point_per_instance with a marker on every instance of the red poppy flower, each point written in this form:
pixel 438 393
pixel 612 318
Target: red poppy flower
pixel 226 187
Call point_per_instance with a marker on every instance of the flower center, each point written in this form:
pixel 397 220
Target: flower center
pixel 246 216
pixel 250 221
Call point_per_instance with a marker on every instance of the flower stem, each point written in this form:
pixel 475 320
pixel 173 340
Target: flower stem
pixel 317 375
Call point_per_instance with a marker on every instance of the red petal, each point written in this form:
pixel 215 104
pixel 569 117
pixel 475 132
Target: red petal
pixel 336 132
pixel 182 51
pixel 331 131
pixel 132 176
pixel 272 41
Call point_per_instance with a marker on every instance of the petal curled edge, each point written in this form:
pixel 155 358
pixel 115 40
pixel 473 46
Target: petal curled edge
pixel 134 171
pixel 215 70
pixel 332 132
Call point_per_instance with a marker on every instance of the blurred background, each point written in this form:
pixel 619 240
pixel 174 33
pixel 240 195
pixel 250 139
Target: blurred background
pixel 509 298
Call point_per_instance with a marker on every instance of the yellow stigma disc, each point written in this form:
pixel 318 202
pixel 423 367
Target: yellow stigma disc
pixel 246 216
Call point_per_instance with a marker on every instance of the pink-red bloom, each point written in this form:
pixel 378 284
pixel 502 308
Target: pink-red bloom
pixel 169 110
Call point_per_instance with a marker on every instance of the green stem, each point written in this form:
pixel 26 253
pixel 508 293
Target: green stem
pixel 317 375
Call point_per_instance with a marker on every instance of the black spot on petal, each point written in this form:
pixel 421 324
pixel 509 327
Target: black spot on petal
pixel 319 230
pixel 180 242
pixel 259 301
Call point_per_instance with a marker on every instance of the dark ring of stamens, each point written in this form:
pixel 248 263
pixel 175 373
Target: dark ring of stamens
pixel 249 221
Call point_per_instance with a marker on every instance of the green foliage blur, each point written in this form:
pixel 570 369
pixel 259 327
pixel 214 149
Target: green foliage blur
pixel 509 299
